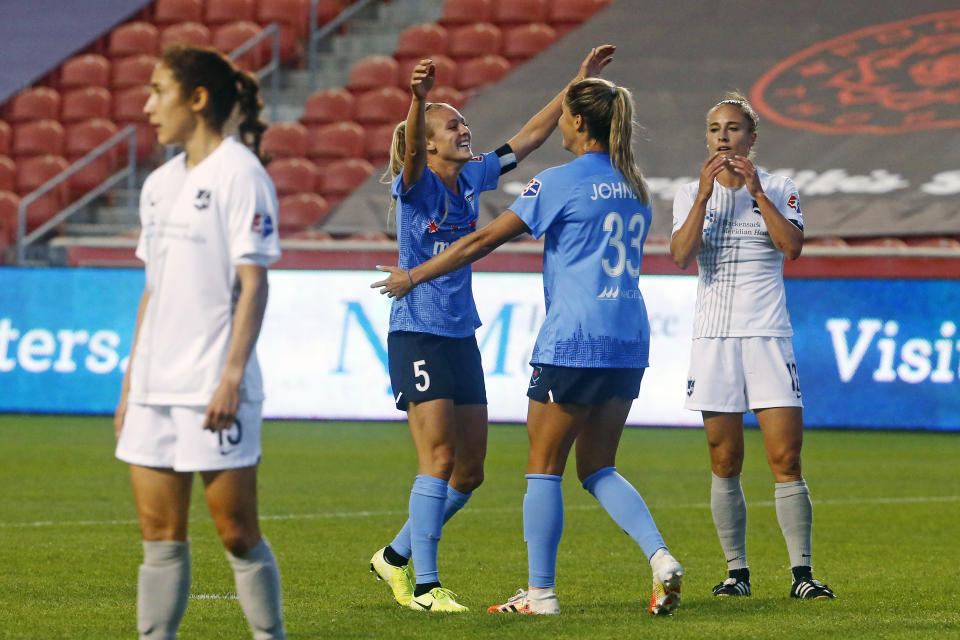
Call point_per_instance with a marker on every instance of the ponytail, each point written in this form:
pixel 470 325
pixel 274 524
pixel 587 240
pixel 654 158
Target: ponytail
pixel 398 149
pixel 250 104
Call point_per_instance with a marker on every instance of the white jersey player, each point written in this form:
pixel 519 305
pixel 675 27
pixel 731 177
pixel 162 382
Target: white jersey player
pixel 740 223
pixel 192 393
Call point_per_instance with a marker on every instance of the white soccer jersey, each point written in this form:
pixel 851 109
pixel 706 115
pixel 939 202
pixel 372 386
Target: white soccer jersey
pixel 198 224
pixel 740 288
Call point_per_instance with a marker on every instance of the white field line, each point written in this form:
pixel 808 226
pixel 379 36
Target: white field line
pixel 397 512
pixel 213 596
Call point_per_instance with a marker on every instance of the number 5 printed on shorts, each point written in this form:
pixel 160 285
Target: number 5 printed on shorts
pixel 420 372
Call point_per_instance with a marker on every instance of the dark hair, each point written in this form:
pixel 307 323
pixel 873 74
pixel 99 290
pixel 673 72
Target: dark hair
pixel 607 110
pixel 229 87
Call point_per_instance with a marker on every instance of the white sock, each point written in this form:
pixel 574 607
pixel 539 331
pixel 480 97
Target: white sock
pixel 730 518
pixel 258 588
pixel 795 515
pixel 163 586
pixel 543 600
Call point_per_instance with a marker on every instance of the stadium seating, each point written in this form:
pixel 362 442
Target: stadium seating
pixel 38 137
pixel 301 210
pixel 480 71
pixel 450 95
pixel 889 243
pixel 522 42
pixel 223 11
pixel 295 13
pixel 446 72
pixel 373 72
pixel 128 109
pixel 285 140
pixel 193 34
pixel 6 137
pixel 936 242
pixel 172 11
pixel 478 39
pixel 9 207
pixel 84 103
pixel 33 173
pixel 132 71
pixel 383 105
pixel 566 15
pixel 334 141
pixel 341 177
pixel 328 105
pixel 83 137
pixel 377 144
pixel 88 70
pixel 8 174
pixel 422 41
pixel 292 175
pixel 38 103
pixel 228 37
pixel 510 12
pixel 466 11
pixel 133 39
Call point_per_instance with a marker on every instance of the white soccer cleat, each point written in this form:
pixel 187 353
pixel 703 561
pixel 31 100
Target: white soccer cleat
pixel 667 578
pixel 522 603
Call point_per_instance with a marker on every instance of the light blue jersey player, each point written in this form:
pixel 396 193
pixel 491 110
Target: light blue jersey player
pixel 434 361
pixel 591 352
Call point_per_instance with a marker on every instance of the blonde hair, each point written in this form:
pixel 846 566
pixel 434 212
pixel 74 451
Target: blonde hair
pixel 398 145
pixel 607 110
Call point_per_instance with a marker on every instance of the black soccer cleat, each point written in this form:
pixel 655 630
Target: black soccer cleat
pixel 732 587
pixel 810 589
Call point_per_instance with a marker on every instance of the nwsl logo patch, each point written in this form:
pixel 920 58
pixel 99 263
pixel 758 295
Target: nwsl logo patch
pixel 794 202
pixel 262 224
pixel 535 376
pixel 202 200
pixel 531 190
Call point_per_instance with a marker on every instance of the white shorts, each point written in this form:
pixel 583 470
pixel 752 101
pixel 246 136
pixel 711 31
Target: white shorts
pixel 733 375
pixel 173 437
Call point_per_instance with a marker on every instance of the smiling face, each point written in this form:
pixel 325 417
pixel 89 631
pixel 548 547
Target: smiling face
pixel 169 112
pixel 728 131
pixel 448 136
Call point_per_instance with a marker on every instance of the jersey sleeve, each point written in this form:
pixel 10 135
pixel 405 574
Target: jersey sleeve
pixel 251 214
pixel 540 203
pixel 789 204
pixel 682 203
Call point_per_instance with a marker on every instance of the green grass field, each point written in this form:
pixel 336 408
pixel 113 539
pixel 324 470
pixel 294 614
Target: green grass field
pixel 886 507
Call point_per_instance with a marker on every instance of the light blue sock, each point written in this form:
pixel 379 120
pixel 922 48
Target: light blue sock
pixel 626 507
pixel 455 501
pixel 542 527
pixel 426 522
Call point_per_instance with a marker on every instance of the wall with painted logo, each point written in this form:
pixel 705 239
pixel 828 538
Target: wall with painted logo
pixel 871 353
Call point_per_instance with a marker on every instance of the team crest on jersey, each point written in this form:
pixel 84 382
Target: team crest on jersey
pixel 794 202
pixel 756 208
pixel 202 200
pixel 433 227
pixel 531 190
pixel 262 224
pixel 690 383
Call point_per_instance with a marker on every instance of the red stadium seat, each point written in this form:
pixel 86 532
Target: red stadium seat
pixel 9 208
pixel 446 72
pixel 193 34
pixel 342 177
pixel 328 105
pixel 82 138
pixel 38 103
pixel 172 11
pixel 228 37
pixel 466 11
pixel 292 175
pixel 522 42
pixel 8 174
pixel 378 143
pixel 295 13
pixel 507 12
pixel 566 15
pixel 223 11
pixel 373 72
pixel 133 71
pixel 887 243
pixel 327 10
pixel 825 241
pixel 6 136
pixel 451 96
pixel 422 41
pixel 480 71
pixel 475 40
pixel 134 38
pixel 285 140
pixel 128 109
pixel 336 141
pixel 380 106
pixel 89 70
pixel 88 102
pixel 301 210
pixel 936 242
pixel 32 173
pixel 40 137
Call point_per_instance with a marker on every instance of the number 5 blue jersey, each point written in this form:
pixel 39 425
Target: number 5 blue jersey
pixel 595 228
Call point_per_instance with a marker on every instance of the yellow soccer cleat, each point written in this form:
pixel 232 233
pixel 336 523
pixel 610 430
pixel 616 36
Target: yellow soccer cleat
pixel 667 578
pixel 400 579
pixel 437 599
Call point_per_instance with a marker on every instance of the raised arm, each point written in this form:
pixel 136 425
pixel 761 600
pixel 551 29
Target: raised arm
pixel 415 153
pixel 464 251
pixel 541 125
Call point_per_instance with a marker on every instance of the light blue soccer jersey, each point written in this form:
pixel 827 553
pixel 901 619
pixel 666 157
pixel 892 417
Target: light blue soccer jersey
pixel 595 229
pixel 429 218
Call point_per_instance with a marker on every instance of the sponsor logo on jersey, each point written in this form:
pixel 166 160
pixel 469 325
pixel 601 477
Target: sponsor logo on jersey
pixel 262 224
pixel 609 293
pixel 794 202
pixel 690 383
pixel 476 159
pixel 531 190
pixel 202 200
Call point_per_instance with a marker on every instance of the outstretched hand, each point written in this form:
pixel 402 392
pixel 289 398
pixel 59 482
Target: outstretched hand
pixel 596 60
pixel 397 285
pixel 423 77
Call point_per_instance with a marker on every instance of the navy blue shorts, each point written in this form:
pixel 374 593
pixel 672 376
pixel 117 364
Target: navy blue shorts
pixel 576 385
pixel 425 367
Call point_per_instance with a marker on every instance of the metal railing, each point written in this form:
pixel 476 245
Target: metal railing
pixel 128 172
pixel 318 35
pixel 272 68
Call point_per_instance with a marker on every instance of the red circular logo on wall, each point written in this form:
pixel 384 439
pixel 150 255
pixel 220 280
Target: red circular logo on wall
pixel 890 78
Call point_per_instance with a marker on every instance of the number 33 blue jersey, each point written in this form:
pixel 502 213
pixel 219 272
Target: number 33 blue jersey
pixel 595 228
